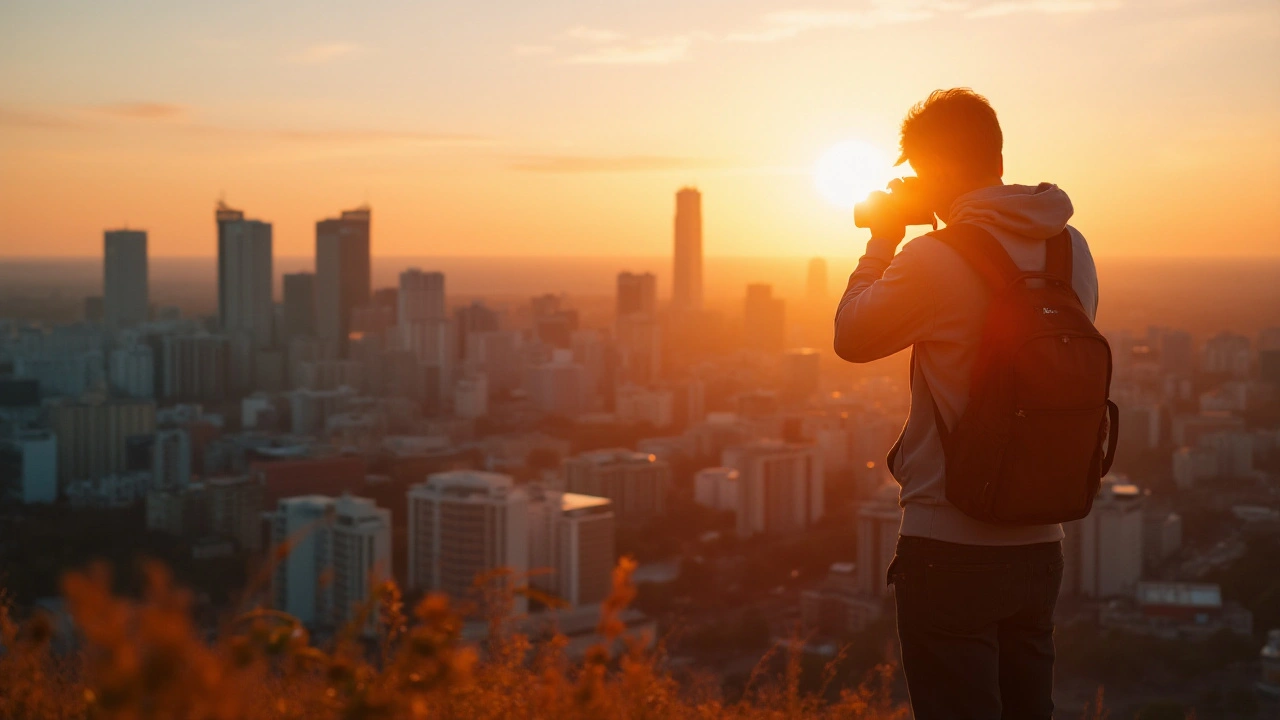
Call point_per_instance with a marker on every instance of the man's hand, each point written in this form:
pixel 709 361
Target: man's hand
pixel 888 224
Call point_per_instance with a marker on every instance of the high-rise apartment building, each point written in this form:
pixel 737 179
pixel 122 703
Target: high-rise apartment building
pixel 299 312
pixel 341 548
pixel 635 482
pixel 765 319
pixel 572 546
pixel 124 278
pixel 780 486
pixel 343 275
pixel 464 524
pixel 235 506
pixel 171 460
pixel 637 294
pixel 686 285
pixel 245 306
pixel 94 433
pixel 1103 552
pixel 421 296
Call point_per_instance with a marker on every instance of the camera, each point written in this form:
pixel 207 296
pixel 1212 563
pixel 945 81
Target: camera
pixel 905 205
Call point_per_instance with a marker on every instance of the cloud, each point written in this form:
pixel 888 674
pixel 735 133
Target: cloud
pixel 323 53
pixel 1047 7
pixel 143 110
pixel 569 164
pixel 652 51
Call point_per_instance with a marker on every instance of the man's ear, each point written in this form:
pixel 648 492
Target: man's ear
pixel 1001 165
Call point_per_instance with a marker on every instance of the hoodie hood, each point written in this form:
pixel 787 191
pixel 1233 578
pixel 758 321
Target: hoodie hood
pixel 1015 211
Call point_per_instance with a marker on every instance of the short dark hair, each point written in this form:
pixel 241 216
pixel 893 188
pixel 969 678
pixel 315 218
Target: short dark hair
pixel 957 126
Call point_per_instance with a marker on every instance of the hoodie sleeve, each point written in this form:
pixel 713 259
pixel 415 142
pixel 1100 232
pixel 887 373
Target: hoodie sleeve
pixel 888 305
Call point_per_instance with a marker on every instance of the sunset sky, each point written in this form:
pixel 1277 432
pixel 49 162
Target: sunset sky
pixel 497 127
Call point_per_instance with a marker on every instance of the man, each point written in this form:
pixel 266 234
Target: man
pixel 974 600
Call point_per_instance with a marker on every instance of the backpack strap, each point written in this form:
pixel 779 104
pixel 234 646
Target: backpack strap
pixel 1057 259
pixel 982 252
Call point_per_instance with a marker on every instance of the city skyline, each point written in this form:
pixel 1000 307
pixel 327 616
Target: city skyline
pixel 551 126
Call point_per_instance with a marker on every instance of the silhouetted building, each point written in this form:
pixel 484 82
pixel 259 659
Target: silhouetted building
pixel 343 275
pixel 765 319
pixel 245 305
pixel 299 305
pixel 124 278
pixel 686 285
pixel 801 373
pixel 637 294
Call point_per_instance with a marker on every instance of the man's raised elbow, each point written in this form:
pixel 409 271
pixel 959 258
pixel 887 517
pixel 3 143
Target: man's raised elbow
pixel 849 350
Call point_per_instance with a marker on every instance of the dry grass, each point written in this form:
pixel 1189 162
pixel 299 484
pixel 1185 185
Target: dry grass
pixel 144 658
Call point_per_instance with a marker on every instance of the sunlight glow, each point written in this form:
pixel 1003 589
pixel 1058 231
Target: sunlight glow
pixel 847 171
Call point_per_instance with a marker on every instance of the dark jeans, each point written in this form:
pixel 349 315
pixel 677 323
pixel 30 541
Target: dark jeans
pixel 976 627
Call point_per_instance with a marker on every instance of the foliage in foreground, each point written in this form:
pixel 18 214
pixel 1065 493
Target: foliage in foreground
pixel 146 659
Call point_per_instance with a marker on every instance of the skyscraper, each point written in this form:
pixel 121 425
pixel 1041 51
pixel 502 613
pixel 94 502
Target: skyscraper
pixel 686 286
pixel 780 486
pixel 299 305
pixel 637 294
pixel 635 482
pixel 244 277
pixel 571 545
pixel 124 277
pixel 421 296
pixel 343 279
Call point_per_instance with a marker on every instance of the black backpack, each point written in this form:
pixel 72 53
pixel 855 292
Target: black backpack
pixel 1028 449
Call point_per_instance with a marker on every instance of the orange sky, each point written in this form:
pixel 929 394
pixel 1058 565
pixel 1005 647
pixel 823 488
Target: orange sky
pixel 496 127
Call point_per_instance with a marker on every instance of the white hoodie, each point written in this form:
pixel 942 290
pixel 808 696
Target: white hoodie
pixel 929 297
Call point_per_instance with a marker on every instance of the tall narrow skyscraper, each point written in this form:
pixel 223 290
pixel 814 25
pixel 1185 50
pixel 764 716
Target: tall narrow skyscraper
pixel 421 296
pixel 343 275
pixel 686 285
pixel 224 215
pixel 245 304
pixel 124 277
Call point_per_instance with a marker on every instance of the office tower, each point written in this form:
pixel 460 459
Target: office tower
pixel 131 371
pixel 878 521
pixel 635 482
pixel 765 318
pixel 124 278
pixel 471 397
pixel 343 275
pixel 171 460
pixel 497 355
pixel 558 387
pixel 299 316
pixel 572 546
pixel 639 345
pixel 637 294
pixel 341 550
pixel 1227 354
pixel 192 368
pixel 472 319
pixel 553 326
pixel 716 488
pixel 1103 552
pixel 801 374
pixel 93 434
pixel 686 285
pixel 464 524
pixel 245 306
pixel 29 466
pixel 634 405
pixel 780 486
pixel 816 282
pixel 421 296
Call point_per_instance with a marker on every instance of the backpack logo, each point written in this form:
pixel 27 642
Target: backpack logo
pixel 1050 311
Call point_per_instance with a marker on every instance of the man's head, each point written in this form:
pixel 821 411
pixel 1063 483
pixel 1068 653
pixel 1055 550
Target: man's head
pixel 953 142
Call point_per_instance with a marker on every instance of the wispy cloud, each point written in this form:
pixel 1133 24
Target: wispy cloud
pixel 143 110
pixel 322 53
pixel 566 164
pixel 596 46
pixel 649 51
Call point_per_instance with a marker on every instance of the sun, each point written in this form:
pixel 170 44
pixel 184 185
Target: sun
pixel 848 170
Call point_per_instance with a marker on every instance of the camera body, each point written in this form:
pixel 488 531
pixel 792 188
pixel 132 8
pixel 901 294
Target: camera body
pixel 904 206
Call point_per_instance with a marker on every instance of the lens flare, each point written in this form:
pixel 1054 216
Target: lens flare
pixel 847 171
